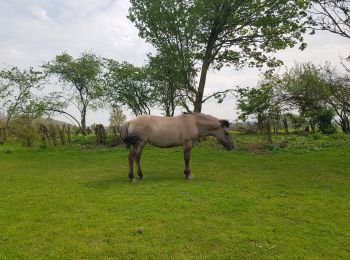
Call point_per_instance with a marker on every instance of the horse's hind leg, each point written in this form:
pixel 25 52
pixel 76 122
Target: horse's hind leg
pixel 187 154
pixel 138 153
pixel 131 163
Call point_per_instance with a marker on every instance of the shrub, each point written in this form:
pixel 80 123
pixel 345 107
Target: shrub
pixel 316 136
pixel 324 118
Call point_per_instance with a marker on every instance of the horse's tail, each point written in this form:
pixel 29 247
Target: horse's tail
pixel 128 139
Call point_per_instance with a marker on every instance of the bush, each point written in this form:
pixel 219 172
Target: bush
pixel 324 118
pixel 316 136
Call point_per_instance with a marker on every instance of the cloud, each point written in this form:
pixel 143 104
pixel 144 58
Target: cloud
pixel 38 12
pixel 42 29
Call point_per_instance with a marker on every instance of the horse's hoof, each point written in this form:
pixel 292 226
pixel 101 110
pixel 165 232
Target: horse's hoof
pixel 133 180
pixel 190 177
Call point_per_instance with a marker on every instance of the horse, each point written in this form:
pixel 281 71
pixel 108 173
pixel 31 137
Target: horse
pixel 182 130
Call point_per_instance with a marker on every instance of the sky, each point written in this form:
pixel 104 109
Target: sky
pixel 34 32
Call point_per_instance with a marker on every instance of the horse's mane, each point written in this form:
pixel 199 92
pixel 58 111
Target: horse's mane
pixel 204 116
pixel 223 122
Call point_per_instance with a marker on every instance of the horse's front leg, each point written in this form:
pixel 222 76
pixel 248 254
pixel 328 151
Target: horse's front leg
pixel 187 154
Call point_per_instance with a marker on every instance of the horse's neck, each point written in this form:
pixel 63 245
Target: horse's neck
pixel 205 127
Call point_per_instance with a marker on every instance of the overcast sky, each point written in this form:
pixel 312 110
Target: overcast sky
pixel 32 32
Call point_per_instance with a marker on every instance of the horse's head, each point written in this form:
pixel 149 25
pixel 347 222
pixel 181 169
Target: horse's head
pixel 223 135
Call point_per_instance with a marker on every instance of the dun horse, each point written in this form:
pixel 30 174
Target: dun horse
pixel 169 132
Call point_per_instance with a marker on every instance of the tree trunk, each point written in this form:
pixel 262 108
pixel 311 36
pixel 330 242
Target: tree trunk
pixel 260 123
pixel 2 135
pixel 83 126
pixel 69 137
pixel 167 111
pixel 199 95
pixel 312 125
pixel 285 124
pixel 83 121
pixel 268 132
pixel 345 125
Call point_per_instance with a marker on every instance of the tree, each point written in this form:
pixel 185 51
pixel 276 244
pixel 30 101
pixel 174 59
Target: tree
pixel 339 100
pixel 260 103
pixel 168 78
pixel 129 85
pixel 17 96
pixel 302 87
pixel 332 16
pixel 116 117
pixel 82 83
pixel 219 33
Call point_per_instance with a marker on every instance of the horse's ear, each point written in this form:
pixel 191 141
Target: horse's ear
pixel 224 123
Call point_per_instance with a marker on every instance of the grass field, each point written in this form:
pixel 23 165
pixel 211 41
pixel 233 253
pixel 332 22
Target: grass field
pixel 78 203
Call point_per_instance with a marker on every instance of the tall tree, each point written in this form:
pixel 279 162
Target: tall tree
pixel 82 82
pixel 219 33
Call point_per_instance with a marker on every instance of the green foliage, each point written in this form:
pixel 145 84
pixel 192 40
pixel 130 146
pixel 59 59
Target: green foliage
pixel 316 136
pixel 261 103
pixel 339 86
pixel 297 121
pixel 219 33
pixel 83 84
pixel 116 117
pixel 129 85
pixel 324 118
pixel 17 96
pixel 252 26
pixel 170 76
pixel 82 74
pixel 314 89
pixel 304 88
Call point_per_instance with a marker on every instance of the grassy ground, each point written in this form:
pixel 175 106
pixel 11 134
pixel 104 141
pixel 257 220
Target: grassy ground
pixel 78 203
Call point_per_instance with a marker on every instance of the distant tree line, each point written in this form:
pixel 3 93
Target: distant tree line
pixel 198 35
pixel 305 96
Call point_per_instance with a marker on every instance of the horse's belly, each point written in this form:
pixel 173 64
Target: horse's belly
pixel 164 141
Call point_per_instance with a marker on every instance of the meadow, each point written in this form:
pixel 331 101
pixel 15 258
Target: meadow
pixel 290 200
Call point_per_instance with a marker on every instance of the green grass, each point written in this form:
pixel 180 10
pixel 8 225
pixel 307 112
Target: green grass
pixel 78 203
